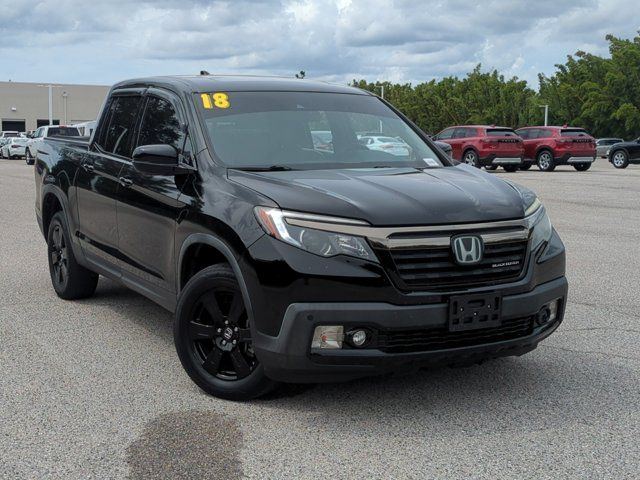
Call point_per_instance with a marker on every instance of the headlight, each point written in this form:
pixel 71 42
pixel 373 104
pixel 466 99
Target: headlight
pixel 318 242
pixel 542 228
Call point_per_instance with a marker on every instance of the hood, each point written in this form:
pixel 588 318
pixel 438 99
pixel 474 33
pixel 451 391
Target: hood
pixel 391 197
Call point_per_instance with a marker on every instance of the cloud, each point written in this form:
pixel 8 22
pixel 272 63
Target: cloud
pixel 400 40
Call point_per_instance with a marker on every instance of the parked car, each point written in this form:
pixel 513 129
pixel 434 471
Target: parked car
pixel 2 142
pixel 485 146
pixel 445 147
pixel 553 146
pixel 8 133
pixel 603 145
pixel 622 154
pixel 44 132
pixel 286 263
pixel 14 147
pixel 390 145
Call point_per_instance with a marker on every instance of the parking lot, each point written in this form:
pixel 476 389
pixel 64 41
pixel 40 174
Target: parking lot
pixel 94 388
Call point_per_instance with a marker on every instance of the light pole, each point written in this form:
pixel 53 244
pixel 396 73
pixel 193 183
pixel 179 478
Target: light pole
pixel 50 87
pixel 64 101
pixel 546 114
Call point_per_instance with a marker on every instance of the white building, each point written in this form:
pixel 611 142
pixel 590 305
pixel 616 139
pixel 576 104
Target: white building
pixel 25 106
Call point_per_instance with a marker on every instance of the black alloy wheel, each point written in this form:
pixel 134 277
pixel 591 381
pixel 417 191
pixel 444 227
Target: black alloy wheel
pixel 212 334
pixel 70 280
pixel 59 257
pixel 220 335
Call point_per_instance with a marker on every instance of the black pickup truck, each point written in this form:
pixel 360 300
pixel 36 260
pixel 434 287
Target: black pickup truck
pixel 290 249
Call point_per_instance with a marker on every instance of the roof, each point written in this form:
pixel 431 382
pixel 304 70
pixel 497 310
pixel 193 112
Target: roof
pixel 238 83
pixel 480 126
pixel 563 127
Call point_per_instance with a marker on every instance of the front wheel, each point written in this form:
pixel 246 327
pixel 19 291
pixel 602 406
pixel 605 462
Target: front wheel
pixel 525 166
pixel 470 157
pixel 510 168
pixel 546 162
pixel 491 167
pixel 620 159
pixel 582 167
pixel 28 158
pixel 212 335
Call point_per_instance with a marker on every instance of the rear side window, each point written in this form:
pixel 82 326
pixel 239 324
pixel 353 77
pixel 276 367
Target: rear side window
pixel 63 132
pixel 574 132
pixel 119 134
pixel 160 124
pixel 500 132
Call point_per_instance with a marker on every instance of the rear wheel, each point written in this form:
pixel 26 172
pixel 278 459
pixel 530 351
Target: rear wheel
pixel 28 158
pixel 525 166
pixel 582 167
pixel 619 159
pixel 545 161
pixel 510 168
pixel 491 167
pixel 212 335
pixel 470 157
pixel 70 280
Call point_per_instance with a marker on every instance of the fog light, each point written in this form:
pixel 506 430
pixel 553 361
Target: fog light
pixel 359 338
pixel 548 313
pixel 328 336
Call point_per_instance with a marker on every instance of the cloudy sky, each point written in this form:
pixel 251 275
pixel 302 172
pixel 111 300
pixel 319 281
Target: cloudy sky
pixel 102 41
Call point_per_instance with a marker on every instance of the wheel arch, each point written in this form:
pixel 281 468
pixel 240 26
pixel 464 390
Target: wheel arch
pixel 542 148
pixel 214 248
pixel 53 201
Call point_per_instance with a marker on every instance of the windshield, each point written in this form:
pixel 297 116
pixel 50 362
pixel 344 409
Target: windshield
pixel 501 132
pixel 308 130
pixel 573 133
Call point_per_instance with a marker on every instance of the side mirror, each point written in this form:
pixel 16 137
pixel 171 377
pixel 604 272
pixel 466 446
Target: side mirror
pixel 157 160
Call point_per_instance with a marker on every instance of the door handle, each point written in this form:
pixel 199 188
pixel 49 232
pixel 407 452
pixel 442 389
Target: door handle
pixel 88 166
pixel 126 182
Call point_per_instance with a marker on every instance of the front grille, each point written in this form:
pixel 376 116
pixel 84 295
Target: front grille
pixel 440 338
pixel 435 268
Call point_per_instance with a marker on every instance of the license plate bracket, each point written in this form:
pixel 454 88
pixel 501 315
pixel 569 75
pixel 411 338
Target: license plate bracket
pixel 473 312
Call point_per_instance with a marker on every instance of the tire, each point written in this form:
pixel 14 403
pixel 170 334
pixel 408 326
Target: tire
pixel 525 166
pixel 70 280
pixel 582 167
pixel 28 158
pixel 510 168
pixel 470 157
pixel 545 161
pixel 212 336
pixel 491 167
pixel 620 159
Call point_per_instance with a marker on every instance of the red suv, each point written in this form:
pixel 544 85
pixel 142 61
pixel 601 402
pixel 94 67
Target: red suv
pixel 553 146
pixel 485 146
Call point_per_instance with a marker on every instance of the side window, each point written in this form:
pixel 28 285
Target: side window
pixel 39 132
pixel 471 132
pixel 459 133
pixel 160 124
pixel 119 134
pixel 544 133
pixel 445 134
pixel 524 134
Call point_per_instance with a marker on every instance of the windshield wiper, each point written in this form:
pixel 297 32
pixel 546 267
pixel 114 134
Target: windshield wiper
pixel 270 168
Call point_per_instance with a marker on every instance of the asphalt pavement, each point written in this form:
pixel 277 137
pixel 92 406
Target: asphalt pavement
pixel 94 389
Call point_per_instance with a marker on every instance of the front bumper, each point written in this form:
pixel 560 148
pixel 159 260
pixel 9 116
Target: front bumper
pixel 288 357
